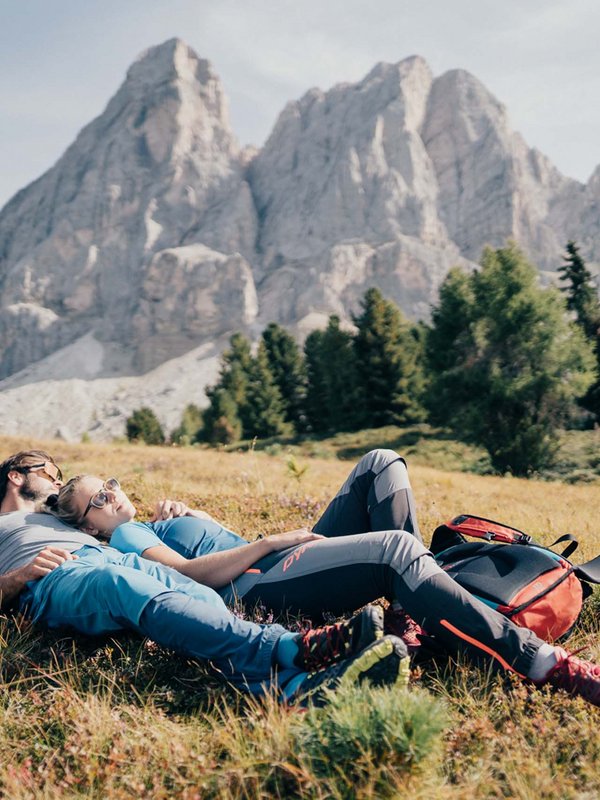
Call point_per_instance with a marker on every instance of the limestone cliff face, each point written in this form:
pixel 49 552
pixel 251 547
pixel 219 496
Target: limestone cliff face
pixel 348 198
pixel 491 185
pixel 349 164
pixel 155 166
pixel 155 234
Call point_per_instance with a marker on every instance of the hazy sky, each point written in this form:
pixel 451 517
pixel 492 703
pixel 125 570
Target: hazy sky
pixel 61 60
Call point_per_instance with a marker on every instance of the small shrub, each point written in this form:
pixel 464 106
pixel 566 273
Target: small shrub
pixel 187 430
pixel 143 425
pixel 369 736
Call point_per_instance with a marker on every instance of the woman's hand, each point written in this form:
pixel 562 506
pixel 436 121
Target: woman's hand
pixel 279 541
pixel 169 509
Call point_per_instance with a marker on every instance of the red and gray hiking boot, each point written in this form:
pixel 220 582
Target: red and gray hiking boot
pixel 398 623
pixel 385 662
pixel 320 647
pixel 577 677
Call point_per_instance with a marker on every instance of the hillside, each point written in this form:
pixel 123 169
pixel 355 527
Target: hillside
pixel 116 718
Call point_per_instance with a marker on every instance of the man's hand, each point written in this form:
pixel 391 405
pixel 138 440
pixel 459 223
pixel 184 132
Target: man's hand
pixel 12 583
pixel 46 560
pixel 169 509
pixel 279 541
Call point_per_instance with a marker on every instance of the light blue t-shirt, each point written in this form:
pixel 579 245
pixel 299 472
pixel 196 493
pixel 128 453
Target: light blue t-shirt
pixel 189 536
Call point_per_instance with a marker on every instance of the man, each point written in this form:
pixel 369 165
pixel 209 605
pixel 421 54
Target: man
pixel 35 476
pixel 63 575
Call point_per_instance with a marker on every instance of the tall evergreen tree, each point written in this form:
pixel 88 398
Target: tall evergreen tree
pixel 236 366
pixel 582 299
pixel 288 370
pixel 581 293
pixel 449 346
pixel 513 363
pixel 331 398
pixel 220 421
pixel 223 420
pixel 263 408
pixel 389 356
pixel 316 402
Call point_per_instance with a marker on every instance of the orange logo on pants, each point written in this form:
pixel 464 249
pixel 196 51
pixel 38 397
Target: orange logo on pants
pixel 293 557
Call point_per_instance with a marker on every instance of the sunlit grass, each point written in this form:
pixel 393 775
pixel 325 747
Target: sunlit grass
pixel 120 718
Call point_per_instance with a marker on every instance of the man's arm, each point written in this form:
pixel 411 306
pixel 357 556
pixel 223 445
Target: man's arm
pixel 13 582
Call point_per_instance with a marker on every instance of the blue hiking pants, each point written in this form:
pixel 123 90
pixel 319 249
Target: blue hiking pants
pixel 103 591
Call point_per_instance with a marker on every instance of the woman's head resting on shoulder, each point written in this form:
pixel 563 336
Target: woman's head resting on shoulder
pixel 91 504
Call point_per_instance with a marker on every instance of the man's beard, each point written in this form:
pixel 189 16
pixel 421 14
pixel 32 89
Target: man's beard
pixel 27 492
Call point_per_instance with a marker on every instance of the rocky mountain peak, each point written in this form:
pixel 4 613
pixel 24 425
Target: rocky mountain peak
pixel 155 235
pixel 137 180
pixel 472 106
pixel 169 61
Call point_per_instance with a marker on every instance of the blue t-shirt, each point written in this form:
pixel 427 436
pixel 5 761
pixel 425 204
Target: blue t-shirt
pixel 189 536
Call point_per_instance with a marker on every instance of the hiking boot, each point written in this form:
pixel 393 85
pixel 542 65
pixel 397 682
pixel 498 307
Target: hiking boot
pixel 321 647
pixel 385 662
pixel 398 623
pixel 577 677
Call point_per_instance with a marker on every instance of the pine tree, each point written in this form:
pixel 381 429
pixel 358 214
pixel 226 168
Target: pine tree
pixel 288 370
pixel 263 408
pixel 331 399
pixel 582 299
pixel 513 364
pixel 235 368
pixel 582 296
pixel 389 355
pixel 449 346
pixel 220 421
pixel 236 365
pixel 143 425
pixel 316 402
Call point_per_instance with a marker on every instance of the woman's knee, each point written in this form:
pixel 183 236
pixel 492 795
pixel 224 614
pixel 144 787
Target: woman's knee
pixel 380 458
pixel 398 548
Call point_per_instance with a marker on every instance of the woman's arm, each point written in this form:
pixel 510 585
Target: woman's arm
pixel 218 569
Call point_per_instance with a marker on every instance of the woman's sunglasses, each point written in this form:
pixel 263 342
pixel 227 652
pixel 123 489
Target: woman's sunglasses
pixel 100 498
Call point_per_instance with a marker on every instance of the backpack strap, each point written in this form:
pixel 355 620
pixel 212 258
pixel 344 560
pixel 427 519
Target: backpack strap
pixel 590 571
pixel 453 533
pixel 443 538
pixel 488 529
pixel 570 548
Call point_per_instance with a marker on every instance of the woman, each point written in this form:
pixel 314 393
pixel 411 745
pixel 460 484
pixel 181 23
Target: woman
pixel 304 571
pixel 108 514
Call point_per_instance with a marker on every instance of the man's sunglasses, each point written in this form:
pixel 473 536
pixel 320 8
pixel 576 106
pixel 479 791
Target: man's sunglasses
pixel 100 498
pixel 50 470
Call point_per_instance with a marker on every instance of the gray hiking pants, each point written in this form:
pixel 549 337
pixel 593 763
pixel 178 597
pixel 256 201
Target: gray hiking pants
pixel 374 549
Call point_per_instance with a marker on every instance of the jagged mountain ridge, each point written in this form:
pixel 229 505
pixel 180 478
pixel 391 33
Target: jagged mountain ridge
pixel 156 233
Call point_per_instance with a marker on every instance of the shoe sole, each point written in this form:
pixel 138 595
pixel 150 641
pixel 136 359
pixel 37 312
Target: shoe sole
pixel 379 665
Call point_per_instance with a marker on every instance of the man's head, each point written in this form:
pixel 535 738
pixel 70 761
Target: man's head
pixel 26 478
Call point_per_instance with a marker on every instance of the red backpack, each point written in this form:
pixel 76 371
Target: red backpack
pixel 527 582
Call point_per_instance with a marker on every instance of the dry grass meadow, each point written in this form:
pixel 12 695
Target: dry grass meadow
pixel 120 718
